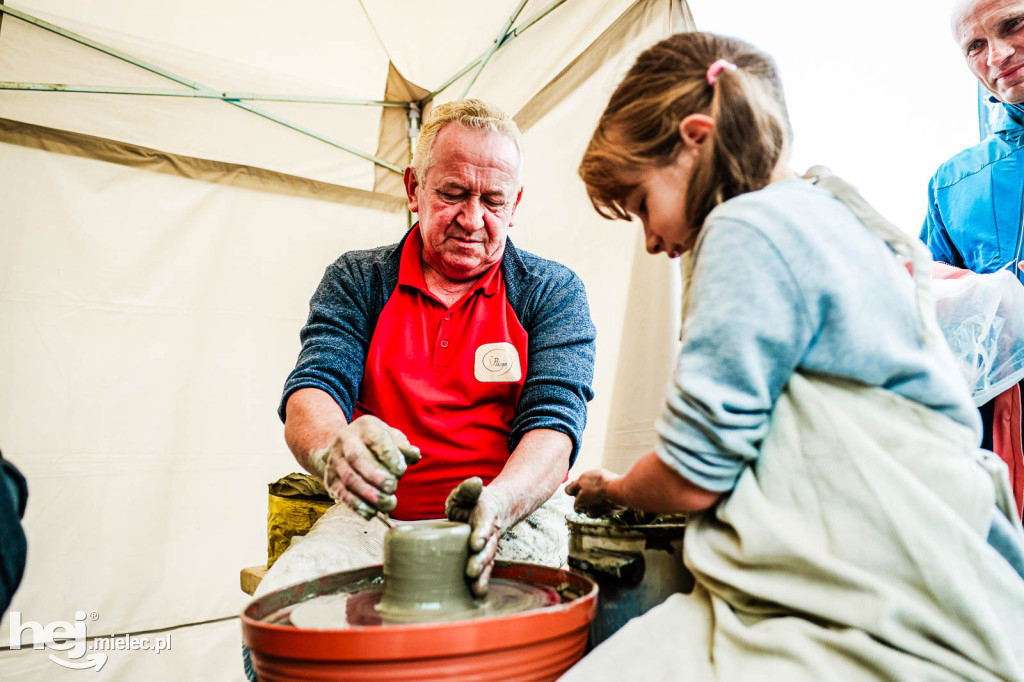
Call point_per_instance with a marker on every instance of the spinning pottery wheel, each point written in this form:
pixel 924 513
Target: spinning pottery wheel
pixel 414 618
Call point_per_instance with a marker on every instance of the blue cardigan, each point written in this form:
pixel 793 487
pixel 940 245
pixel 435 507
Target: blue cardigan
pixel 548 298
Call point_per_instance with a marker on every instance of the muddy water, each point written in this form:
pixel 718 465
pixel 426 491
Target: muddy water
pixel 423 581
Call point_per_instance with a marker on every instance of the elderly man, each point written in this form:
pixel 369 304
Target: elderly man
pixel 975 198
pixel 451 343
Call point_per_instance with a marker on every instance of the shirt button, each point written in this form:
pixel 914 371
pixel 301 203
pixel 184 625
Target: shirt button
pixel 447 317
pixel 444 343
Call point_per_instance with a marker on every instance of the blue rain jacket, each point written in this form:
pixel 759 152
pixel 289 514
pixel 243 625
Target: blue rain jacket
pixel 975 201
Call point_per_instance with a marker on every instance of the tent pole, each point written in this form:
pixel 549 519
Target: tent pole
pixel 415 119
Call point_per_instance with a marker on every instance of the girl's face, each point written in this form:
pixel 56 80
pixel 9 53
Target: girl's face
pixel 659 201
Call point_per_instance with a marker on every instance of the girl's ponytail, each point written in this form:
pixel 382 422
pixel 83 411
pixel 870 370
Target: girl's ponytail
pixel 745 146
pixel 669 81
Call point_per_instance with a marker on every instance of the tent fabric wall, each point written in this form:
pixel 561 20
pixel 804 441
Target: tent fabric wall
pixel 148 322
pixel 185 661
pixel 148 319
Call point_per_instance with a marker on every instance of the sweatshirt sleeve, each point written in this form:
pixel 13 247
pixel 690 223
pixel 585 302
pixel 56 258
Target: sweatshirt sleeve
pixel 561 360
pixel 746 328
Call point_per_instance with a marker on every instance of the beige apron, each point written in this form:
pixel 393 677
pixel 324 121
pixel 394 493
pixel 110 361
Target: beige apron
pixel 853 549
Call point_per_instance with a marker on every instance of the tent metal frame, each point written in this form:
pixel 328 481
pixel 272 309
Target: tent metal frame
pixel 196 86
pixel 509 36
pixel 198 94
pixel 242 99
pixel 494 46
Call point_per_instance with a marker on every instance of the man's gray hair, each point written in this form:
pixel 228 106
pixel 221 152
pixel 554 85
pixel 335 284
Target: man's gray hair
pixel 471 113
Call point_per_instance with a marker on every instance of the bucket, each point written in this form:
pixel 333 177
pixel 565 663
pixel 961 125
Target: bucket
pixel 636 565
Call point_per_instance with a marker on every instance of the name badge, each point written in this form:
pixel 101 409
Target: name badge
pixel 497 362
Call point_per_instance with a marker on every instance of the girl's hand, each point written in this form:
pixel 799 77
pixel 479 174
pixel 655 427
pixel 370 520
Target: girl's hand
pixel 591 492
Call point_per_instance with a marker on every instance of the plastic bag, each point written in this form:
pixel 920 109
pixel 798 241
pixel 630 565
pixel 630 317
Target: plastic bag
pixel 982 318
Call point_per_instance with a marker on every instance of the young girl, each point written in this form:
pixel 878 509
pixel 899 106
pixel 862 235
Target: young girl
pixel 848 525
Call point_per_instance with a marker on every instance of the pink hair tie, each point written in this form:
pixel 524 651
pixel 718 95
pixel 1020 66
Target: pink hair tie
pixel 715 69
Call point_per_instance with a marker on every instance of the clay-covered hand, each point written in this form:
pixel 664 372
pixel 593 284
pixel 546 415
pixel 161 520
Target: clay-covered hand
pixel 472 503
pixel 591 492
pixel 362 466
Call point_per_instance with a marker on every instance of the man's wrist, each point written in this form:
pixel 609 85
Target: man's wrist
pixel 318 460
pixel 497 501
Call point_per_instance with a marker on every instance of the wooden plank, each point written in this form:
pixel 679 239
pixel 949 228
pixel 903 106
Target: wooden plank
pixel 251 578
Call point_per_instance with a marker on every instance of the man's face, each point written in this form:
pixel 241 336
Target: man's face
pixel 990 34
pixel 465 201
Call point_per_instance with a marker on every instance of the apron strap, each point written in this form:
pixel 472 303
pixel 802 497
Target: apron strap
pixel 909 248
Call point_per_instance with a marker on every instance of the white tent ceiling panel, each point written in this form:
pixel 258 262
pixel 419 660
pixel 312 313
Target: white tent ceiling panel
pixel 519 70
pixel 32 54
pixel 460 31
pixel 203 128
pixel 314 42
pixel 225 61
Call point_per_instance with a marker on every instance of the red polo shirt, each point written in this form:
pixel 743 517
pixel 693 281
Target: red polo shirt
pixel 449 378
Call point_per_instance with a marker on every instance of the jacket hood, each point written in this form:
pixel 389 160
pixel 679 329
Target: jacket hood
pixel 1011 117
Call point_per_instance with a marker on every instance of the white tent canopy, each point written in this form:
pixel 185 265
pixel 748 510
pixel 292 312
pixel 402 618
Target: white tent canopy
pixel 175 178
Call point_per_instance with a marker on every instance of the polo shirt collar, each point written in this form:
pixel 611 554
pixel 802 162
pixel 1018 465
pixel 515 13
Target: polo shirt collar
pixel 410 267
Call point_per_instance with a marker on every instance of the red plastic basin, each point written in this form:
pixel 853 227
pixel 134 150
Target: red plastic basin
pixel 531 645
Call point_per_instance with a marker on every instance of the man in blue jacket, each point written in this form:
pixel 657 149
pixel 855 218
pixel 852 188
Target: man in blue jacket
pixel 975 198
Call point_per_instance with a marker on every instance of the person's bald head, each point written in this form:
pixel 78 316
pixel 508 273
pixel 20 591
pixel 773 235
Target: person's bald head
pixel 990 34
